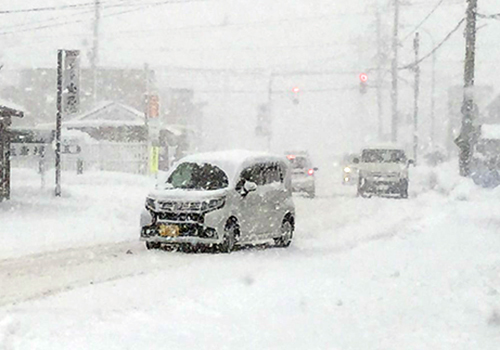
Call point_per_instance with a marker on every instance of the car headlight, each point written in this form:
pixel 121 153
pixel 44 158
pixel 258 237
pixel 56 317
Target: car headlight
pixel 347 169
pixel 150 203
pixel 214 204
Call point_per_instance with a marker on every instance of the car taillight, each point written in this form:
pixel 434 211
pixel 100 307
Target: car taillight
pixel 310 172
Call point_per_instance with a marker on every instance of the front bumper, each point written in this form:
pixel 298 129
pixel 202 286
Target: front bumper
pixel 201 228
pixel 383 185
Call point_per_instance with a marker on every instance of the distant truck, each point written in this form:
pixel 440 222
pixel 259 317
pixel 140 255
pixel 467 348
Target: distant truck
pixel 485 167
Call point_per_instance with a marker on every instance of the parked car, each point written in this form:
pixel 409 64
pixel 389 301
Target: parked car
pixel 221 199
pixel 350 169
pixel 303 179
pixel 383 170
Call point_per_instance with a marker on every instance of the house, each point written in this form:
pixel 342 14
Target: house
pixel 123 135
pixel 111 121
pixel 6 114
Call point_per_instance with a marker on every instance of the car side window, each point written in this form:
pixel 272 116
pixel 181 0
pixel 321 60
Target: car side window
pixel 252 174
pixel 271 173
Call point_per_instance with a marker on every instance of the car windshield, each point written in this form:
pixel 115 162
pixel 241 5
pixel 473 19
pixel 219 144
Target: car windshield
pixel 193 176
pixel 298 162
pixel 383 156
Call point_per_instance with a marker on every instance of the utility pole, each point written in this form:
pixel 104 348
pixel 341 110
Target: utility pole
pixel 394 70
pixel 59 121
pixel 416 67
pixel 95 49
pixel 466 138
pixel 379 77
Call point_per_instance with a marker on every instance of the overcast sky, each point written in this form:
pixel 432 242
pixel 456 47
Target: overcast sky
pixel 263 35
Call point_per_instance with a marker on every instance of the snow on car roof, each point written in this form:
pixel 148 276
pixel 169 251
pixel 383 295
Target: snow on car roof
pixel 231 162
pixel 490 131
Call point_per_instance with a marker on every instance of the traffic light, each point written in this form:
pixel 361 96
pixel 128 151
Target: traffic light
pixel 296 91
pixel 363 86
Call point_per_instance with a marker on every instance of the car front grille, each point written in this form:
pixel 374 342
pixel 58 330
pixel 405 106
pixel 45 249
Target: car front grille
pixel 175 206
pixel 197 218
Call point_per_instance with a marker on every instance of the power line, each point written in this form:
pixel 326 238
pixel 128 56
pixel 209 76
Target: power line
pixel 424 20
pixel 54 8
pixel 86 4
pixel 494 16
pixel 448 36
pixel 274 91
pixel 141 6
pixel 242 25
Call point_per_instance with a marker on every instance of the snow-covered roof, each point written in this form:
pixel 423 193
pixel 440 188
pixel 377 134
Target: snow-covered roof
pixel 112 114
pixel 490 131
pixel 11 105
pixel 10 109
pixel 231 162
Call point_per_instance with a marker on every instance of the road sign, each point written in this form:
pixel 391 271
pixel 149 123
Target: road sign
pixel 153 106
pixel 71 84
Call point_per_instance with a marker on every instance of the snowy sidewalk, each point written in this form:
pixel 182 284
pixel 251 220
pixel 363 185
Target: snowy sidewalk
pixel 95 208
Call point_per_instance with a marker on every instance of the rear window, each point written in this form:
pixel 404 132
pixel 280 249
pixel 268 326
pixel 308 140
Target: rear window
pixel 298 162
pixel 193 176
pixel 383 156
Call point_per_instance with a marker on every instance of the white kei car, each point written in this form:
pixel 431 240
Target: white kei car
pixel 221 199
pixel 383 170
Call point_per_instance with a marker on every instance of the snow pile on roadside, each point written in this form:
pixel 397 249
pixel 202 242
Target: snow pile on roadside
pixel 96 207
pixel 444 179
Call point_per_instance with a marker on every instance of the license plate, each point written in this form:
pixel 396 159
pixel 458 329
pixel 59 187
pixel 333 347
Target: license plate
pixel 169 230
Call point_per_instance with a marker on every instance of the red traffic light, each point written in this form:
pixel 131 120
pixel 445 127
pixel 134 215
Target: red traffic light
pixel 296 89
pixel 363 77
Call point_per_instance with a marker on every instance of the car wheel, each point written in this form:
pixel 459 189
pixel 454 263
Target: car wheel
pixel 286 234
pixel 152 245
pixel 311 194
pixel 229 242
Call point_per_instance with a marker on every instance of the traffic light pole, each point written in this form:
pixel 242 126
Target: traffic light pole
pixel 394 71
pixel 270 111
pixel 379 78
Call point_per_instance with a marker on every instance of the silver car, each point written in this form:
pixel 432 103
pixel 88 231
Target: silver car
pixel 221 199
pixel 303 179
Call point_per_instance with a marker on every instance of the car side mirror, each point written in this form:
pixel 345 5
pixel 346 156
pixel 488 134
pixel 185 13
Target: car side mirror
pixel 249 186
pixel 355 160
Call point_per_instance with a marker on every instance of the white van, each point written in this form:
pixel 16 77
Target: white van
pixel 221 199
pixel 383 170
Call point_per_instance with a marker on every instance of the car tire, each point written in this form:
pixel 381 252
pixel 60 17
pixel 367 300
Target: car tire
pixel 153 245
pixel 311 194
pixel 286 235
pixel 230 233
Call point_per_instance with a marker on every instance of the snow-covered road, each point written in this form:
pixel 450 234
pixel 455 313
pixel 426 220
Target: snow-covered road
pixel 372 273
